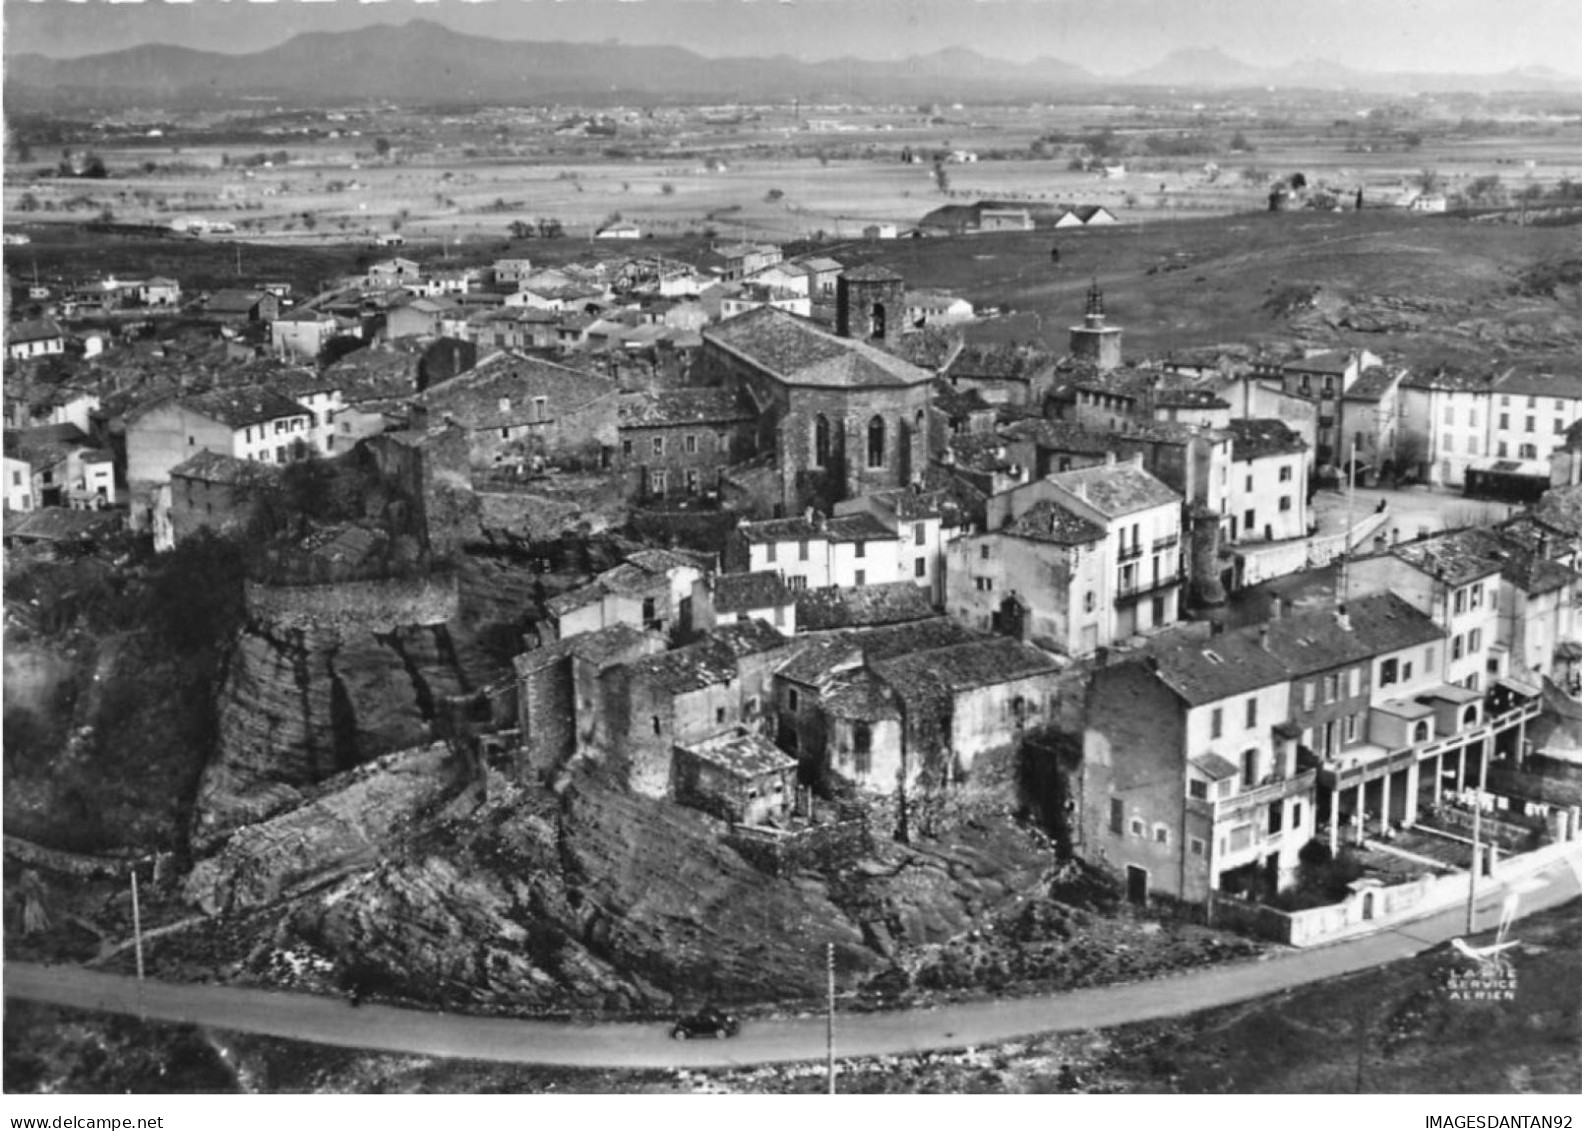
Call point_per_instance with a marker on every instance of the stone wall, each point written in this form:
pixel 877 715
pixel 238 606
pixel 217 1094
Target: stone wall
pixel 364 606
pixel 819 846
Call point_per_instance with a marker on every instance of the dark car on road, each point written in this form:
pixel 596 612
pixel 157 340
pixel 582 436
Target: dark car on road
pixel 706 1022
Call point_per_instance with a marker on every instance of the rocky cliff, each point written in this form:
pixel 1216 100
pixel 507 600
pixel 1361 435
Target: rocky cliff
pixel 299 705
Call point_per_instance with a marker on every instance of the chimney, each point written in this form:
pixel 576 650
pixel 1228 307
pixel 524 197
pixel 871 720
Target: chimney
pixel 1109 458
pixel 1342 618
pixel 809 514
pixel 1263 637
pixel 1274 609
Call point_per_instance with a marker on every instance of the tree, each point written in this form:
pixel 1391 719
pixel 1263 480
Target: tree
pixel 941 177
pixel 774 195
pixel 382 146
pixel 1240 144
pixel 1429 179
pixel 1411 139
pixel 520 230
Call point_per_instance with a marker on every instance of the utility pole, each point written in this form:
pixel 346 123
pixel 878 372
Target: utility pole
pixel 829 1026
pixel 1477 829
pixel 137 939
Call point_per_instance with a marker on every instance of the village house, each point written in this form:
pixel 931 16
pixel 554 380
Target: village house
pixel 1268 482
pixel 1186 786
pixel 1531 408
pixel 1043 576
pixel 677 441
pixel 745 296
pixel 837 716
pixel 19 494
pixel 521 410
pixel 303 333
pixel 730 598
pixel 1444 425
pixel 159 291
pixel 739 776
pixel 241 306
pixel 213 491
pixel 686 695
pixel 1142 520
pixel 843 416
pixel 1004 220
pixel 965 709
pixel 248 423
pixel 38 338
pixel 393 272
pixel 620 230
pixel 560 693
pixel 57 458
pixel 822 272
pixel 1370 418
pixel 651 590
pixel 730 262
pixel 880 605
pixel 422 317
pixel 936 308
pixel 1192 460
pixel 1453 578
pixel 812 553
pixel 508 273
pixel 1003 374
pixel 924 521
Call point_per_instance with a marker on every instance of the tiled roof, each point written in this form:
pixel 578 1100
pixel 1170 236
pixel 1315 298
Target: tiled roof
pixel 999 363
pixel 1048 521
pixel 799 353
pixel 1453 379
pixel 1215 767
pixel 1379 623
pixel 1457 557
pixel 963 667
pixel 216 467
pixel 780 530
pixel 1115 490
pixel 1255 439
pixel 233 301
pixel 858 527
pixel 918 636
pixel 243 407
pixel 670 407
pixel 601 648
pixel 662 560
pixel 742 754
pixel 475 396
pixel 744 592
pixel 911 504
pixel 47 444
pixel 36 330
pixel 1561 508
pixel 895 602
pixel 1372 384
pixel 1334 362
pixel 815 660
pixel 60 524
pixel 1536 380
pixel 860 695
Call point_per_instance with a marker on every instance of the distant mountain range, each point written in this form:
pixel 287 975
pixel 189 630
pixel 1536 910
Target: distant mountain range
pixel 425 63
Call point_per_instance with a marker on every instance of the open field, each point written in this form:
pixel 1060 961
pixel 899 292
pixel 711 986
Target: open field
pixel 459 177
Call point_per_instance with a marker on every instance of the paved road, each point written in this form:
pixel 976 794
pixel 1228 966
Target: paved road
pixel 624 1045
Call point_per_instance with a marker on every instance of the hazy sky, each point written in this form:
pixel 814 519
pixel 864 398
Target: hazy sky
pixel 1107 36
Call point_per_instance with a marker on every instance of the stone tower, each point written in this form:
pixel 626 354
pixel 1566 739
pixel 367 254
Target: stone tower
pixel 870 304
pixel 1094 341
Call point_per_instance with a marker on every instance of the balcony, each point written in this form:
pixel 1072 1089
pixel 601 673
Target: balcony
pixel 1375 764
pixel 1132 552
pixel 1125 593
pixel 1247 801
pixel 1169 542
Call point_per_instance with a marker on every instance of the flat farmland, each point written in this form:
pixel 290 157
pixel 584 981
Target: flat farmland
pixel 769 174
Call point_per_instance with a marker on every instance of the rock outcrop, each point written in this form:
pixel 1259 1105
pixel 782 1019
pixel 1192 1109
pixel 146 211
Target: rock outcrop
pixel 300 705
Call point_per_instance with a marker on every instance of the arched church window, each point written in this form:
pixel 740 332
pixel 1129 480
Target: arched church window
pixel 876 442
